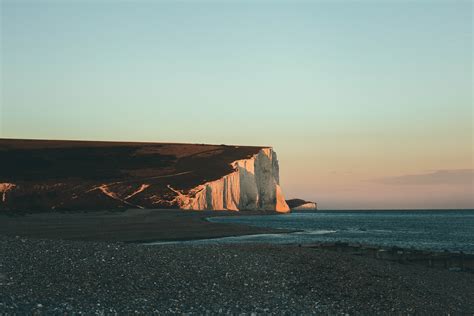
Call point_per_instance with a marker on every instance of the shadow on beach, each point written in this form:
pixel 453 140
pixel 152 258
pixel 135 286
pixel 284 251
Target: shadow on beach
pixel 132 225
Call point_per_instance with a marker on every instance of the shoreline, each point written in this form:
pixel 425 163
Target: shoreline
pixel 175 227
pixel 131 226
pixel 161 226
pixel 455 261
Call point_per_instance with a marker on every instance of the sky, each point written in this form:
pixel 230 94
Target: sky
pixel 368 104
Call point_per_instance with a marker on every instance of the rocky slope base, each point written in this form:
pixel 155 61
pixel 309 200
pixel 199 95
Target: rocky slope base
pixel 38 175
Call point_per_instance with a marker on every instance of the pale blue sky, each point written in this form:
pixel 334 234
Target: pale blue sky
pixel 346 91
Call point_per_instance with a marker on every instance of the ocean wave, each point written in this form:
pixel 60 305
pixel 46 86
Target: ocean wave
pixel 316 232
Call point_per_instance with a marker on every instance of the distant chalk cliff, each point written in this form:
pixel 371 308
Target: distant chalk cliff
pixel 301 205
pixel 39 175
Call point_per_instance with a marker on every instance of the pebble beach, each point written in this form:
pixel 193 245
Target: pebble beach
pixel 42 277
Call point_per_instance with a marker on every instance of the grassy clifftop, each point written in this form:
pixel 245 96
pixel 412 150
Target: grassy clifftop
pixel 66 175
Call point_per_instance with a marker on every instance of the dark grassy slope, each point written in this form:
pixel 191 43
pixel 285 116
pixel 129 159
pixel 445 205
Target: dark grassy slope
pixel 66 175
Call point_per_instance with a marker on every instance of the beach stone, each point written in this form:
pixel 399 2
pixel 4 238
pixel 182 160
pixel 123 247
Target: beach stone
pixel 71 277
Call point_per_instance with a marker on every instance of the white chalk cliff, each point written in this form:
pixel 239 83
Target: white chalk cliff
pixel 309 206
pixel 4 188
pixel 253 185
pixel 73 175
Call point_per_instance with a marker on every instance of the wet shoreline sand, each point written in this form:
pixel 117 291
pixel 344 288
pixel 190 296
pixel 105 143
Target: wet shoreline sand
pixel 132 225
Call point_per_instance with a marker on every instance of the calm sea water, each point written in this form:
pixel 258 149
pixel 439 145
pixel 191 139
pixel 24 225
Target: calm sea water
pixel 433 230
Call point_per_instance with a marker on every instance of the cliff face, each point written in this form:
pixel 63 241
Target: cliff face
pixel 67 175
pixel 253 185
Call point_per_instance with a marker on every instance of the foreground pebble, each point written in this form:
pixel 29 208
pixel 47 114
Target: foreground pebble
pixel 57 277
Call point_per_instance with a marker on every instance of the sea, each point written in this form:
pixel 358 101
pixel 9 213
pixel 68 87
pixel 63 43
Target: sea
pixel 436 230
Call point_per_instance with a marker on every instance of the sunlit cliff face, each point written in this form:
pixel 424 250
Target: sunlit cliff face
pixel 254 185
pixel 75 175
pixel 4 188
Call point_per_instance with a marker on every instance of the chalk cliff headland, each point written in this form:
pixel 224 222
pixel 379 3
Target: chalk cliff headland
pixel 38 175
pixel 301 205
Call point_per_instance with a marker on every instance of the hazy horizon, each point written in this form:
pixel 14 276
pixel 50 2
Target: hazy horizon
pixel 367 104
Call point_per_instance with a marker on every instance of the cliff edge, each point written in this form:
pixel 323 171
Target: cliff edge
pixel 39 175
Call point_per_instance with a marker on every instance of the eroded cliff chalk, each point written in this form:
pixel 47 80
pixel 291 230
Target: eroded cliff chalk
pixel 84 175
pixel 4 188
pixel 253 185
